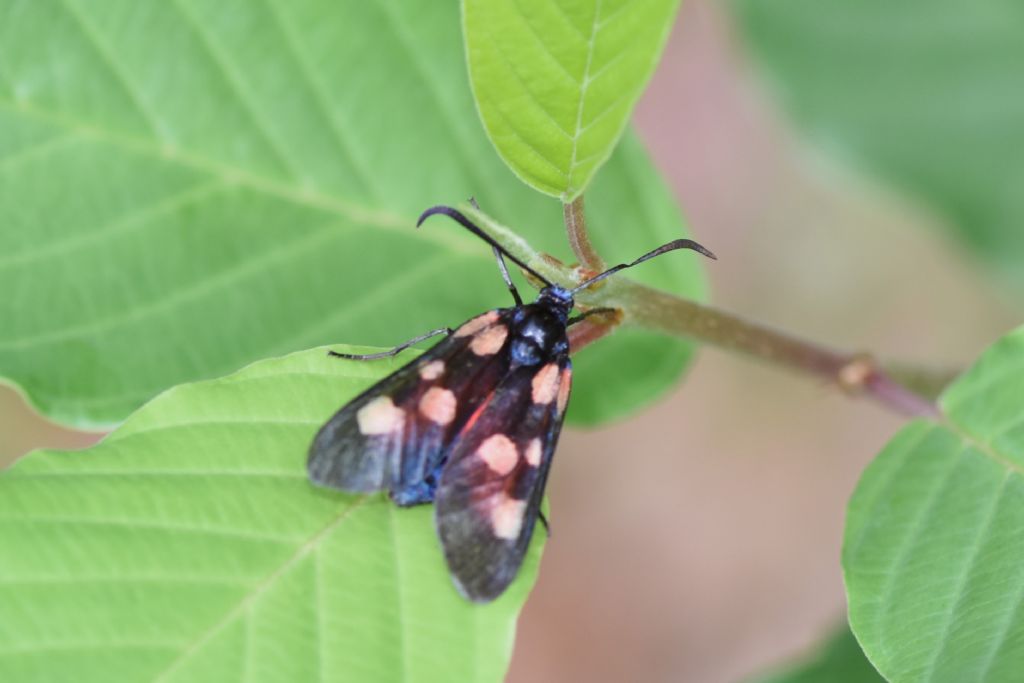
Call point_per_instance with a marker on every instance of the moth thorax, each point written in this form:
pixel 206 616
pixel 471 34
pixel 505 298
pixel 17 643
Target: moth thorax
pixel 525 352
pixel 534 337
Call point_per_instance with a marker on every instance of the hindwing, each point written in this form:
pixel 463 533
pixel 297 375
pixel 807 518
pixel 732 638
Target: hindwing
pixel 492 485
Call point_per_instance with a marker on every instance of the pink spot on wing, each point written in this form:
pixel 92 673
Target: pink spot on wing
pixel 545 384
pixel 380 416
pixel 500 454
pixel 489 341
pixel 507 518
pixel 476 324
pixel 432 370
pixel 533 453
pixel 438 405
pixel 563 390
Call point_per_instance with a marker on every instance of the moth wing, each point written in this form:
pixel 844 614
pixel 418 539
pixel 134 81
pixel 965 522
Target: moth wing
pixel 394 435
pixel 492 486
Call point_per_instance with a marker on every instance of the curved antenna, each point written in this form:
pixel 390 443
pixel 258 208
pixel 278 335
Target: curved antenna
pixel 458 217
pixel 671 246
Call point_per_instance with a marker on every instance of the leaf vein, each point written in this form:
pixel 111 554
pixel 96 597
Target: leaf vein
pixel 584 84
pixel 312 332
pixel 307 74
pixel 965 573
pixel 175 298
pixel 138 217
pixel 113 65
pixel 39 149
pixel 137 524
pixel 237 86
pixel 540 41
pixel 301 551
pixel 237 175
pixel 912 534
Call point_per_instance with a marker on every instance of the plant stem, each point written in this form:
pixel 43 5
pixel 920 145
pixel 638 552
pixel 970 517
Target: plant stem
pixel 854 373
pixel 579 238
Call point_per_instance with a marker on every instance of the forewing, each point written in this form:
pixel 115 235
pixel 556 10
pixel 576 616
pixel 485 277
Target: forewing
pixel 394 435
pixel 492 486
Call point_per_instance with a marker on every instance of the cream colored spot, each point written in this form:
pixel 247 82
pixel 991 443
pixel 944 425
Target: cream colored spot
pixel 533 453
pixel 380 416
pixel 432 370
pixel 507 518
pixel 438 405
pixel 489 341
pixel 500 454
pixel 563 390
pixel 476 324
pixel 545 384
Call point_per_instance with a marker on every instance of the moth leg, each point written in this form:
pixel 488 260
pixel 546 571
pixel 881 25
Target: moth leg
pixel 505 276
pixel 544 521
pixel 393 352
pixel 594 311
pixel 501 266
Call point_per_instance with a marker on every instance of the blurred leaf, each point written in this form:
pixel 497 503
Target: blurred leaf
pixel 840 660
pixel 555 82
pixel 191 185
pixel 932 552
pixel 189 546
pixel 925 93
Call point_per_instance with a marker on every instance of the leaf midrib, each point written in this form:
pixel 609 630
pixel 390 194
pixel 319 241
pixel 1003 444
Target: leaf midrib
pixel 584 85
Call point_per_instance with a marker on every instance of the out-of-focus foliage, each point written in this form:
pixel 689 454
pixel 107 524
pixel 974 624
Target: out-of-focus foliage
pixel 932 552
pixel 839 660
pixel 925 93
pixel 189 546
pixel 188 186
pixel 556 80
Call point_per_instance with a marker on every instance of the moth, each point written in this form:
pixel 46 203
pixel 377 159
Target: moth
pixel 470 425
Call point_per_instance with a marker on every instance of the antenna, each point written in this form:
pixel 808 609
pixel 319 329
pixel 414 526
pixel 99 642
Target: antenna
pixel 458 217
pixel 671 246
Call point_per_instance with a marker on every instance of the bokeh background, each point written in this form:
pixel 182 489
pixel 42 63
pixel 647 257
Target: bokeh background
pixel 700 540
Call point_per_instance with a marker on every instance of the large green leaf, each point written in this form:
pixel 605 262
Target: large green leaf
pixel 925 93
pixel 187 186
pixel 934 546
pixel 189 546
pixel 839 660
pixel 555 82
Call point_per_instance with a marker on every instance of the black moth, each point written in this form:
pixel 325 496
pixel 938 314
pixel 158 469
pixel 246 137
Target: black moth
pixel 470 425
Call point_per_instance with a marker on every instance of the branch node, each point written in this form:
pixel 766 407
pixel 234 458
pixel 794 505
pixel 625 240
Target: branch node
pixel 854 376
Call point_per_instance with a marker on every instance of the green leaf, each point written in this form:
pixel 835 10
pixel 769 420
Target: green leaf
pixel 932 552
pixel 839 660
pixel 188 186
pixel 925 93
pixel 189 546
pixel 556 82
